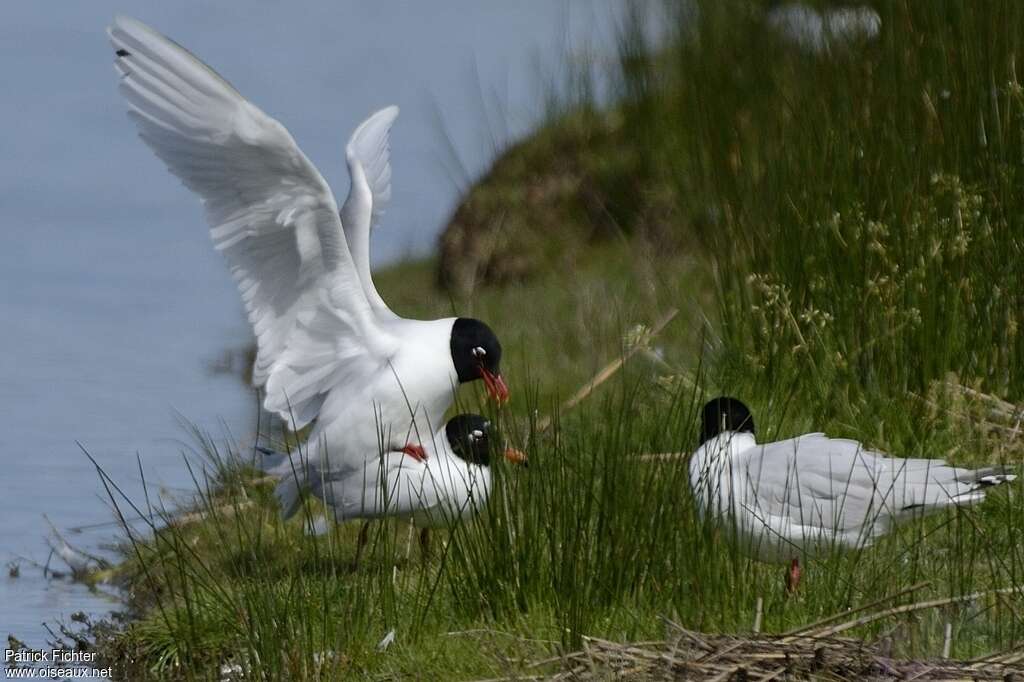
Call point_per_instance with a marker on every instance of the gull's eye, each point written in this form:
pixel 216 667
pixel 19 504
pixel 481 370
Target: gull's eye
pixel 478 352
pixel 476 434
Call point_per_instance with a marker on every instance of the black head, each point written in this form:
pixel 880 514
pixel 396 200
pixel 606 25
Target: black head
pixel 724 414
pixel 476 353
pixel 470 438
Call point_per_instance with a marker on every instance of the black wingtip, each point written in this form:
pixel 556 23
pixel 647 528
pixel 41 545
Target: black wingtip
pixel 121 52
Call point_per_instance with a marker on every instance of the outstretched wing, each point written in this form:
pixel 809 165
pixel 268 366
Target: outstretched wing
pixel 368 154
pixel 271 214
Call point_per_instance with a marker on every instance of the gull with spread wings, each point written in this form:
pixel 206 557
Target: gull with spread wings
pixel 328 347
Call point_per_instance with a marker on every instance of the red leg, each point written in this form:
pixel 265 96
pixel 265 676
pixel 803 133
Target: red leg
pixel 364 536
pixel 416 452
pixel 425 543
pixel 793 576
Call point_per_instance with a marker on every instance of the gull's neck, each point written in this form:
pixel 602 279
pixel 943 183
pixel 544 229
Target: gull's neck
pixel 730 444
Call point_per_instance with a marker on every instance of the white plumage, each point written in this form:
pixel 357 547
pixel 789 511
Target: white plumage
pixel 368 155
pixel 453 482
pixel 328 347
pixel 807 494
pixel 433 492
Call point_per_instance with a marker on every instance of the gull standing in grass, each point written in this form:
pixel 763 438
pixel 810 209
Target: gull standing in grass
pixel 807 494
pixel 328 348
pixel 452 483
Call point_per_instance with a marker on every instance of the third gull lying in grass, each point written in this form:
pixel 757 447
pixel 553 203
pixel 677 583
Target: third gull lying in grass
pixel 806 494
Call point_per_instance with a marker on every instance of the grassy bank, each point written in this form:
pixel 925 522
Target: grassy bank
pixel 842 235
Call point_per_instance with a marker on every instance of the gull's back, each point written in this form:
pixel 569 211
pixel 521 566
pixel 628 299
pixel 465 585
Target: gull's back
pixel 812 492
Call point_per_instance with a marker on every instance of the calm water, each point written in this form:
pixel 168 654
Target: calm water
pixel 113 303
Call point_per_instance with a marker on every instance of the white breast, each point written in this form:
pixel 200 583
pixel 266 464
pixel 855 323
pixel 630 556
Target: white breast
pixel 719 480
pixel 460 491
pixel 435 493
pixel 405 404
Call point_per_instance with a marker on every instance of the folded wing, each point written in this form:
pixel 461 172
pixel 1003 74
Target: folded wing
pixel 369 164
pixel 271 214
pixel 838 484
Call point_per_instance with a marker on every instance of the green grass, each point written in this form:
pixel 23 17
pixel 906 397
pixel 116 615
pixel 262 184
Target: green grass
pixel 844 245
pixel 587 540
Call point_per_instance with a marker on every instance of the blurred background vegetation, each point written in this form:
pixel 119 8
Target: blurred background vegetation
pixel 857 205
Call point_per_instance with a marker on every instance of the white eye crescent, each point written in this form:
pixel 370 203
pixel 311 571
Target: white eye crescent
pixel 478 352
pixel 477 433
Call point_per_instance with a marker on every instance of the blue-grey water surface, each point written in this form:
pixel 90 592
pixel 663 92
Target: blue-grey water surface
pixel 114 305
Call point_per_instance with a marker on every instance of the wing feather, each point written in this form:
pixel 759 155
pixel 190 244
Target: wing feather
pixel 270 213
pixel 841 484
pixel 369 163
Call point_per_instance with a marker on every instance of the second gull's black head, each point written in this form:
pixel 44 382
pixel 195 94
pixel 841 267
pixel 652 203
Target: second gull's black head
pixel 724 414
pixel 469 437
